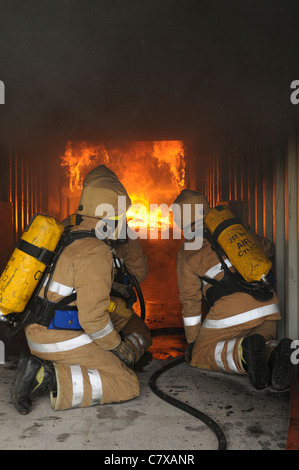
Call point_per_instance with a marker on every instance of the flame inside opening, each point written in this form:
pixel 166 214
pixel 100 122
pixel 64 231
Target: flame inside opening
pixel 153 173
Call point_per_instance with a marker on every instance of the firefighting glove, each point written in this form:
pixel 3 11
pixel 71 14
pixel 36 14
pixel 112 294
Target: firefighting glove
pixel 188 352
pixel 124 352
pixel 125 292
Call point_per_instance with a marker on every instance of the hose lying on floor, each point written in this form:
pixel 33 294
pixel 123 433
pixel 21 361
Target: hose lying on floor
pixel 183 406
pixel 188 409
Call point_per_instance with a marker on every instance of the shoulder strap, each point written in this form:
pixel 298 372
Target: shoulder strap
pixel 67 239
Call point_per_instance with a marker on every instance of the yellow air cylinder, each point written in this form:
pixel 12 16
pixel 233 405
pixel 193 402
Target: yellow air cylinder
pixel 246 257
pixel 23 271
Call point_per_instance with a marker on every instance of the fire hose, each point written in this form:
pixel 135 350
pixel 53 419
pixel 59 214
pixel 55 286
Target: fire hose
pixel 177 403
pixel 153 385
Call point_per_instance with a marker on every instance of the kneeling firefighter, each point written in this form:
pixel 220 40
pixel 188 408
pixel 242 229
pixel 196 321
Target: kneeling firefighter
pixel 229 321
pixel 84 354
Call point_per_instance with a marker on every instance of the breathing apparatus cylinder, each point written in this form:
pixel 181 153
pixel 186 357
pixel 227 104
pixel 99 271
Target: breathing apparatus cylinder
pixel 33 253
pixel 246 257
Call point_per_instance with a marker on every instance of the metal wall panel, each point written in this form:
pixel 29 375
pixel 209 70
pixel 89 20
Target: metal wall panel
pixel 6 233
pixel 259 180
pixel 291 236
pixel 26 189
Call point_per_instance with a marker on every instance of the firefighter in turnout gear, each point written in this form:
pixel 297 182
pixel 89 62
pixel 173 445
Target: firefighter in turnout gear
pixel 227 328
pixel 86 355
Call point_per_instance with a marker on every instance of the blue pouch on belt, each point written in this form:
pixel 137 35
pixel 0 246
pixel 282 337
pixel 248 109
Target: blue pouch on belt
pixel 65 320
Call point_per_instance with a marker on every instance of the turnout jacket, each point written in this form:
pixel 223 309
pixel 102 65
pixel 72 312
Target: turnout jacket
pixel 228 311
pixel 136 261
pixel 86 266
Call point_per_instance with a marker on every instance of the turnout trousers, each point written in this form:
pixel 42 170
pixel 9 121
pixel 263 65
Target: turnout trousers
pixel 86 374
pixel 229 321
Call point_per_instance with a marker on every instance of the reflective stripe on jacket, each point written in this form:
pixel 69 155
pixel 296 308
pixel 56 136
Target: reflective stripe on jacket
pixel 227 312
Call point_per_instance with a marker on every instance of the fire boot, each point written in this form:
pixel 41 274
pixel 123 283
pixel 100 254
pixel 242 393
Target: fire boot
pixel 255 364
pixel 32 373
pixel 281 366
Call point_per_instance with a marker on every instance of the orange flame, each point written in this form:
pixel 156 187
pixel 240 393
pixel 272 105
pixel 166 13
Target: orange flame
pixel 152 173
pixel 79 163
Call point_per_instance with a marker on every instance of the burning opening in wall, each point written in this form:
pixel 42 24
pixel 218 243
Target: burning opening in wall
pixel 153 173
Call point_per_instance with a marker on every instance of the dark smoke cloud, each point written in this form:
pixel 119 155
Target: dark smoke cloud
pixel 105 67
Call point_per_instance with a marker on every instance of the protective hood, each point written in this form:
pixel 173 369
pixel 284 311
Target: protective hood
pixel 189 199
pixel 102 186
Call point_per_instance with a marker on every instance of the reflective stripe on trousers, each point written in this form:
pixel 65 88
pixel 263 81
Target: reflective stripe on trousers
pixel 138 341
pixel 241 317
pixel 95 383
pixel 229 355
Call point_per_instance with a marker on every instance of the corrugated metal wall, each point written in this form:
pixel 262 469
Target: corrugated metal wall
pixel 25 186
pixel 260 181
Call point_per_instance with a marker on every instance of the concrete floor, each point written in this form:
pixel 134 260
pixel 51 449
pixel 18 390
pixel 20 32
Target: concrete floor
pixel 250 420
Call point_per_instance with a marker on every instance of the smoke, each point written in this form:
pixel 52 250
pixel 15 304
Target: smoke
pixel 103 68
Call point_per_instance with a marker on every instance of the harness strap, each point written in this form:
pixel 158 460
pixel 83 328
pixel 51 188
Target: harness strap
pixel 39 253
pixel 226 223
pixel 232 281
pixel 43 310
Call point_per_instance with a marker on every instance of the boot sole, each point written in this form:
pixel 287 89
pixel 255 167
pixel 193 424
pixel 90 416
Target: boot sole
pixel 24 405
pixel 254 350
pixel 282 369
